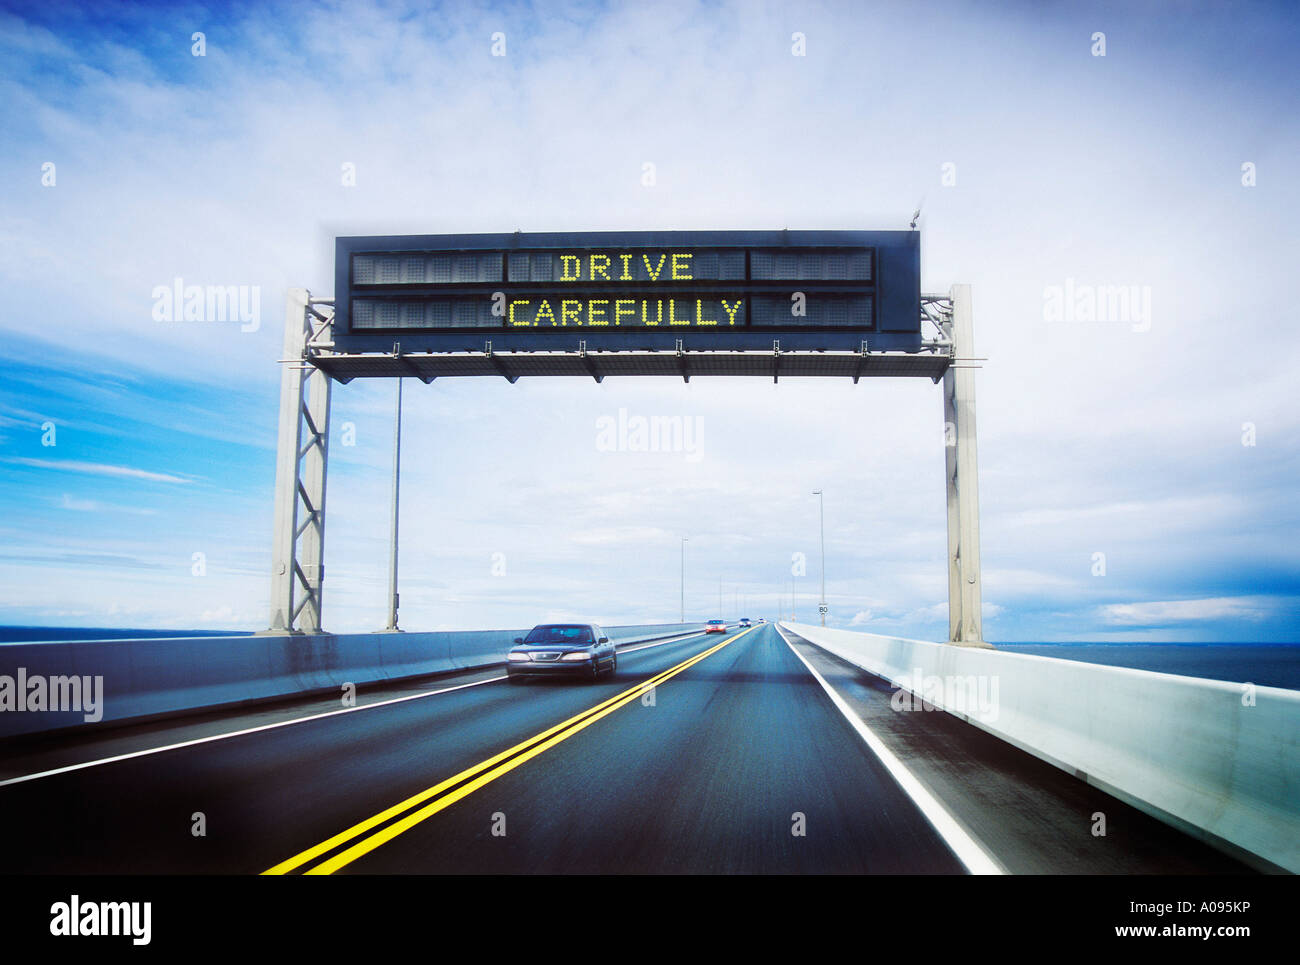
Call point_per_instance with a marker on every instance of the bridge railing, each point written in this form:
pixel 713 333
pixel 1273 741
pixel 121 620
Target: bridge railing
pixel 1219 760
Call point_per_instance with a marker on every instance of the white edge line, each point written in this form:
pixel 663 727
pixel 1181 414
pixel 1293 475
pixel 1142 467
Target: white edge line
pixel 285 723
pixel 970 852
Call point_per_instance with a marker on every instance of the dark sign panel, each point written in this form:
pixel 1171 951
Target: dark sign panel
pixel 704 290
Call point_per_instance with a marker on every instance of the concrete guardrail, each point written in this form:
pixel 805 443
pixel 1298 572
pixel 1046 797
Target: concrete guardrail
pixel 1216 759
pixel 146 678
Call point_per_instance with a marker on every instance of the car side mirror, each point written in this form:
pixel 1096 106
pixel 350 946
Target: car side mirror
pixel 519 639
pixel 603 640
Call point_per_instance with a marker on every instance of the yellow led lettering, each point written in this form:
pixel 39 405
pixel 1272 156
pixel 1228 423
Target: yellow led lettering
pixel 682 272
pixel 731 310
pixel 544 312
pixel 566 312
pixel 565 261
pixel 626 276
pixel 672 320
pixel 596 316
pixel 654 272
pixel 600 264
pixel 644 304
pixel 699 311
pixel 511 315
pixel 620 312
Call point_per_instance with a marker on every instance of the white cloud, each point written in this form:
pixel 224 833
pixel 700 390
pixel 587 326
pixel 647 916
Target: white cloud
pixel 1185 611
pixel 928 614
pixel 620 536
pixel 95 506
pixel 97 469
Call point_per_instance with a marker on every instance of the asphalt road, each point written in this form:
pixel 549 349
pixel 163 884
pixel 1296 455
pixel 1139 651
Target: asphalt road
pixel 737 762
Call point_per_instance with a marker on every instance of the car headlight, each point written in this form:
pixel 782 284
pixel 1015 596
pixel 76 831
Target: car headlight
pixel 577 655
pixel 518 657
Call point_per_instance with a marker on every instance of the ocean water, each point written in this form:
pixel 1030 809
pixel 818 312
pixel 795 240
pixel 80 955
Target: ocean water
pixel 37 634
pixel 1262 664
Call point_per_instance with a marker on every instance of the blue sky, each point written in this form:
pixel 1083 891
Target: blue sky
pixel 1095 436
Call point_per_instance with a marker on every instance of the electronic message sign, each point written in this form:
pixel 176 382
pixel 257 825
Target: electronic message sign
pixel 697 290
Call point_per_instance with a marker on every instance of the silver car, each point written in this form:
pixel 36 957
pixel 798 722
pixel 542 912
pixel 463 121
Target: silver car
pixel 562 649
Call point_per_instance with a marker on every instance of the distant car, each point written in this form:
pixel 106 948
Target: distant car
pixel 746 622
pixel 562 649
pixel 716 626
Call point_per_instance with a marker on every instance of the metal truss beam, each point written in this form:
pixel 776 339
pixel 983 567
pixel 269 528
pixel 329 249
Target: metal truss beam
pixel 309 368
pixel 302 456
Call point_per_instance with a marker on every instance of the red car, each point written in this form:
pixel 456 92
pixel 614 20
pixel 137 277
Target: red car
pixel 716 626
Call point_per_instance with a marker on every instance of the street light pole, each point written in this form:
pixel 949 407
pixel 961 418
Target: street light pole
pixel 685 540
pixel 392 544
pixel 821 513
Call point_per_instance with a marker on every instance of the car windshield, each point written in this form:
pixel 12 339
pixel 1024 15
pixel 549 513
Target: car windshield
pixel 557 633
pixel 716 622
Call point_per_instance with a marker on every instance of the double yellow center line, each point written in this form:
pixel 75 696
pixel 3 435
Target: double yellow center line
pixel 448 792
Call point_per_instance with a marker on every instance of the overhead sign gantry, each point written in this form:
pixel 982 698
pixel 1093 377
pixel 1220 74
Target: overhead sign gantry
pixel 631 303
pixel 628 290
pixel 597 304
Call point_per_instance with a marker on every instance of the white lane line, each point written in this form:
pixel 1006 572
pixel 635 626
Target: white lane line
pixel 280 723
pixel 659 643
pixel 969 851
pixel 240 733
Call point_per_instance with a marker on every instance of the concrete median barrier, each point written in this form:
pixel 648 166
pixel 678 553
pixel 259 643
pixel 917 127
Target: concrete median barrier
pixel 127 680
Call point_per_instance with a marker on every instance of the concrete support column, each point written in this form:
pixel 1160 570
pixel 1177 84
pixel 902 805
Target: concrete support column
pixel 965 623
